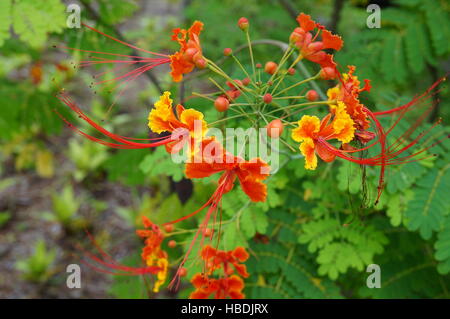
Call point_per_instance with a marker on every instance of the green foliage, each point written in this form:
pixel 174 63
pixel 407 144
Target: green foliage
pixel 341 246
pixel 37 267
pixel 115 11
pixel 30 20
pixel 442 247
pixel 411 36
pixel 430 204
pixel 87 157
pixel 160 163
pixel 4 218
pixel 283 269
pixel 65 208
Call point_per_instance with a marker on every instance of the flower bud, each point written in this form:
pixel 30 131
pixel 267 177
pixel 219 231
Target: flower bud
pixel 221 104
pixel 328 73
pixel 168 228
pixel 183 272
pixel 291 71
pixel 312 95
pixel 200 63
pixel 172 244
pixel 271 67
pixel 275 128
pixel 246 81
pixel 243 24
pixel 190 53
pixel 258 65
pixel 207 232
pixel 267 98
pixel 227 52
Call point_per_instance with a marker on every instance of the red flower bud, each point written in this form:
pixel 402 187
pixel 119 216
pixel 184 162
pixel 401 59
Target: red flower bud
pixel 227 52
pixel 246 81
pixel 221 104
pixel 200 63
pixel 267 98
pixel 312 95
pixel 243 24
pixel 328 73
pixel 207 232
pixel 183 272
pixel 168 228
pixel 275 128
pixel 270 67
pixel 291 71
pixel 258 65
pixel 172 244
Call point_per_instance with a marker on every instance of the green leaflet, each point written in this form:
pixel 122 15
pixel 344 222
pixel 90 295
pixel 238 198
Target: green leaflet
pixel 32 20
pixel 430 204
pixel 341 247
pixel 5 20
pixel 442 247
pixel 160 163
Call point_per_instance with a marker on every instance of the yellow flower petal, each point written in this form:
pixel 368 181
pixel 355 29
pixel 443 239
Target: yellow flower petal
pixel 343 125
pixel 307 127
pixel 307 148
pixel 161 115
pixel 194 121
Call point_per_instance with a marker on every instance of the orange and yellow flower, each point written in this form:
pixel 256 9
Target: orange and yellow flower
pixel 212 158
pixel 190 53
pixel 228 285
pixel 313 133
pixel 163 119
pixel 348 92
pixel 309 47
pixel 152 254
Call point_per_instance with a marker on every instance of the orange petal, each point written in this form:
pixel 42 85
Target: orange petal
pixel 307 148
pixel 324 153
pixel 308 126
pixel 255 190
pixel 256 168
pixel 331 41
pixel 240 254
pixel 306 23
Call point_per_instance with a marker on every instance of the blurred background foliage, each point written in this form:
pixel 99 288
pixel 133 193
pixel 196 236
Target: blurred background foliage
pixel 55 184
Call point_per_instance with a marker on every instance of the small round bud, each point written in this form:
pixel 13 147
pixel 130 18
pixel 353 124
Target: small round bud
pixel 258 65
pixel 227 52
pixel 291 71
pixel 312 95
pixel 172 244
pixel 183 272
pixel 207 232
pixel 190 53
pixel 243 24
pixel 275 128
pixel 267 98
pixel 246 81
pixel 168 228
pixel 200 63
pixel 328 73
pixel 271 67
pixel 221 104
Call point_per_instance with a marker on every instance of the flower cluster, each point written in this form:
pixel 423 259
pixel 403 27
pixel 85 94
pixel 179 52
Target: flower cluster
pixel 152 254
pixel 264 97
pixel 228 285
